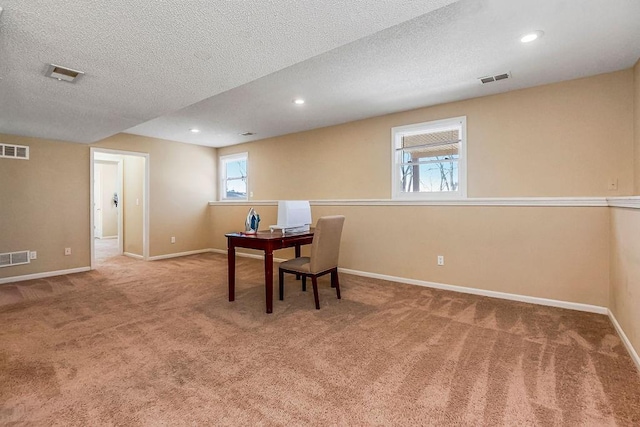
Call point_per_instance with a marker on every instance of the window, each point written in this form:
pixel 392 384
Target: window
pixel 429 160
pixel 233 177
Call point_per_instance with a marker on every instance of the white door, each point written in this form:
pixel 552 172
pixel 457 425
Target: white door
pixel 97 201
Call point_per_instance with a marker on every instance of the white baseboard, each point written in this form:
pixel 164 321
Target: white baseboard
pixel 625 340
pixel 483 292
pixel 179 254
pixel 42 275
pixel 130 255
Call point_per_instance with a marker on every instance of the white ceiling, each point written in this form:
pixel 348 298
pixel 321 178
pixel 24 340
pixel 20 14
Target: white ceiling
pixel 227 67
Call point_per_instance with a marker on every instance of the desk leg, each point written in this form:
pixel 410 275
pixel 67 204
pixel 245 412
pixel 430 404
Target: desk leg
pixel 297 253
pixel 268 278
pixel 231 260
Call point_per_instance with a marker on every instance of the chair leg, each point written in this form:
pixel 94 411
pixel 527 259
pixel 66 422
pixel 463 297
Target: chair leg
pixel 335 281
pixel 304 283
pixel 281 283
pixel 314 282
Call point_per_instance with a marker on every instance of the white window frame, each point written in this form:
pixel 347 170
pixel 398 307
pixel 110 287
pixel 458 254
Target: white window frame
pixel 396 142
pixel 222 166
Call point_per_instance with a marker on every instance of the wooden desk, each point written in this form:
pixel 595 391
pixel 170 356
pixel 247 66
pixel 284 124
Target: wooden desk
pixel 267 242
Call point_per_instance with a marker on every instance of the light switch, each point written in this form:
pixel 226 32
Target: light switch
pixel 613 184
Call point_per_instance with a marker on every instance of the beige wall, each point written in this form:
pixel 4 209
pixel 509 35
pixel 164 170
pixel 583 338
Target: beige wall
pixel 549 252
pixel 636 123
pixel 133 204
pixel 45 200
pixel 625 246
pixel 183 180
pixel 625 271
pixel 564 139
pixel 45 205
pixel 109 184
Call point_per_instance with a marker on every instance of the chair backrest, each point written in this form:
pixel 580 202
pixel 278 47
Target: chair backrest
pixel 325 248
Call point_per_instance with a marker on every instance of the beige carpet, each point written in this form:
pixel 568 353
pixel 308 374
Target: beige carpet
pixel 158 343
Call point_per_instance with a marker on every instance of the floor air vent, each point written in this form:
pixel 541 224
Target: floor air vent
pixel 14 258
pixel 14 151
pixel 497 77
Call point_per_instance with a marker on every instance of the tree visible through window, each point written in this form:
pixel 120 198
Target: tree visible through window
pixel 233 177
pixel 429 159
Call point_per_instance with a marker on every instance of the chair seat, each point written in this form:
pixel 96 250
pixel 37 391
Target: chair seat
pixel 299 265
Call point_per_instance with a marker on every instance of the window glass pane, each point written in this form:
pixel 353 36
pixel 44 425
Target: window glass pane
pixel 441 176
pixel 234 177
pixel 429 174
pixel 236 169
pixel 236 189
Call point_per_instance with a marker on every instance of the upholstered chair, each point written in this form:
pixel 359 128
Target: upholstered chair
pixel 325 250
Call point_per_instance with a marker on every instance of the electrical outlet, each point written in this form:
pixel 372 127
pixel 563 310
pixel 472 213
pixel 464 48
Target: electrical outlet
pixel 33 255
pixel 251 194
pixel 67 251
pixel 173 239
pixel 440 260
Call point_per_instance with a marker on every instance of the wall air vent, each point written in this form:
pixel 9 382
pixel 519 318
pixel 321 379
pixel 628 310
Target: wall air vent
pixel 14 258
pixel 62 73
pixel 489 79
pixel 10 151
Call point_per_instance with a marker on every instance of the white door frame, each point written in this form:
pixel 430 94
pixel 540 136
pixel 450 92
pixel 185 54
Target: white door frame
pixel 97 204
pixel 145 200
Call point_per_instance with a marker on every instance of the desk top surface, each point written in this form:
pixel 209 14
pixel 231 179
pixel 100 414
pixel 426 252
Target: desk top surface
pixel 268 235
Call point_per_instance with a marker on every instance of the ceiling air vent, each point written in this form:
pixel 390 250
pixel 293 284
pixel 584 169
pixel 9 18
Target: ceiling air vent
pixel 14 258
pixel 497 77
pixel 14 151
pixel 62 73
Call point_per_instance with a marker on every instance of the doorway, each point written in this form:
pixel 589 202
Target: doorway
pixel 119 204
pixel 107 206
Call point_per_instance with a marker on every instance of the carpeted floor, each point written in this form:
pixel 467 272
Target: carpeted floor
pixel 157 343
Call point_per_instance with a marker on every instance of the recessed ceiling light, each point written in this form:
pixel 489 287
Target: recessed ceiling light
pixel 298 101
pixel 527 38
pixel 194 130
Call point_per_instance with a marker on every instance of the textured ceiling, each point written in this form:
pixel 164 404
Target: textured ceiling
pixel 146 58
pixel 230 67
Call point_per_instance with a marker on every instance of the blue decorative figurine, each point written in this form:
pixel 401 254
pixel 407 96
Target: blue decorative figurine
pixel 253 220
